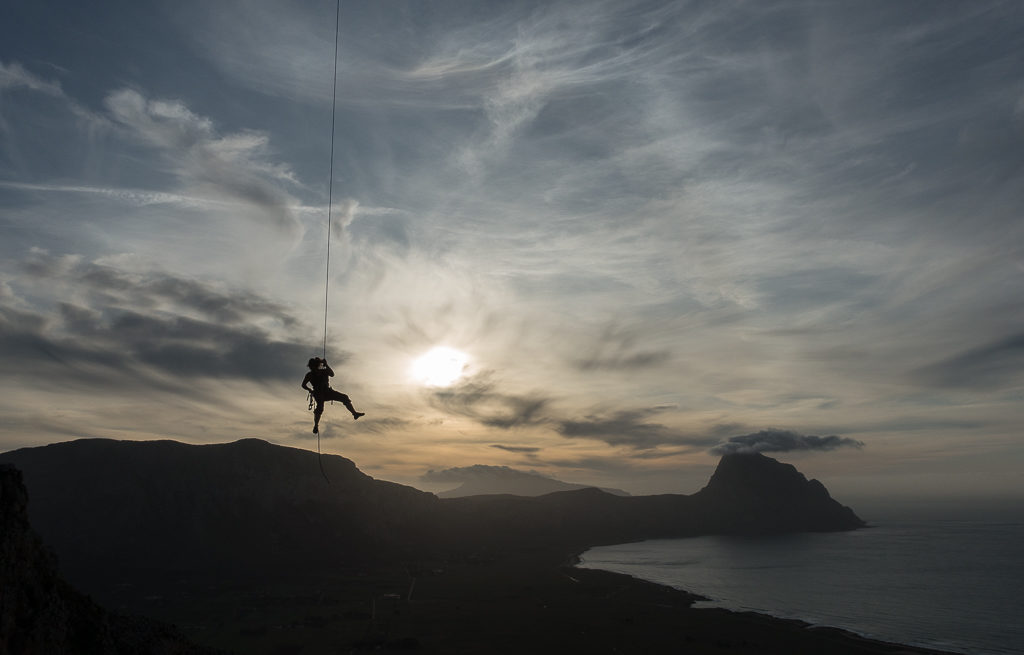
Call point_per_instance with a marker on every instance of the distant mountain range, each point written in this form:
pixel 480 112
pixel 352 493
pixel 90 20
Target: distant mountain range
pixel 483 480
pixel 121 510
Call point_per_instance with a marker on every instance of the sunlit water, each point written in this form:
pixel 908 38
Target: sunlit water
pixel 953 585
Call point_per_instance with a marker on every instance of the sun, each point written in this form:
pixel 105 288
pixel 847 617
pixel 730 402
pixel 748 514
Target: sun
pixel 439 367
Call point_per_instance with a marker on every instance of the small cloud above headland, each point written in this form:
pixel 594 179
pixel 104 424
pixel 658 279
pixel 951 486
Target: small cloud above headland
pixel 781 441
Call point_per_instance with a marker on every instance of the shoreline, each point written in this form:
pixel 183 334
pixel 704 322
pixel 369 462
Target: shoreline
pixel 508 602
pixel 797 623
pixel 839 637
pixel 921 641
pixel 540 602
pixel 505 603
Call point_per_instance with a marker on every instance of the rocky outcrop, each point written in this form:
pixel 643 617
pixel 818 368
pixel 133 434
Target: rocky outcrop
pixel 755 494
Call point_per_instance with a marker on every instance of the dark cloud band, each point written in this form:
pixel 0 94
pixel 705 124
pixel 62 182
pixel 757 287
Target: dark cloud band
pixel 478 399
pixel 111 325
pixel 781 441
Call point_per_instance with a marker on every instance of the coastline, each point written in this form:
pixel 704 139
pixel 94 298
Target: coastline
pixel 781 634
pixel 509 602
pixel 541 602
pixel 910 595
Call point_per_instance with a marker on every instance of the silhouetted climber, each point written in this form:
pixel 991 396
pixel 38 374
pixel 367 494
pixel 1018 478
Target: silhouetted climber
pixel 319 377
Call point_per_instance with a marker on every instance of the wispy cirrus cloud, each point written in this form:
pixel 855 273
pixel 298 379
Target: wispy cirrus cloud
pixel 479 399
pixel 618 349
pixel 229 167
pixel 14 76
pixel 135 197
pixel 994 365
pixel 631 428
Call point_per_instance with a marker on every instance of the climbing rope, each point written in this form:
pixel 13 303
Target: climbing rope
pixel 330 206
pixel 330 182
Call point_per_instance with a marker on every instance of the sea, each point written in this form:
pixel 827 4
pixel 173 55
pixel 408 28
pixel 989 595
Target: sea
pixel 954 584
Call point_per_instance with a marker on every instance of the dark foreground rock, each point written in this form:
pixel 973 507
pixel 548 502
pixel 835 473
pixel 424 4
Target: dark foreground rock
pixel 41 613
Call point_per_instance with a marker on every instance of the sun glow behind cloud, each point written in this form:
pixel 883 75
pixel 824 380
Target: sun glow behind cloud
pixel 439 367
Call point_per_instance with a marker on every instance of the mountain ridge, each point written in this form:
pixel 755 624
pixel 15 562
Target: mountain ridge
pixel 117 510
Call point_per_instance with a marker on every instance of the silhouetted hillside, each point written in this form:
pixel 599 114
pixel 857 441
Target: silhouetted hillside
pixel 110 508
pixel 41 613
pixel 125 510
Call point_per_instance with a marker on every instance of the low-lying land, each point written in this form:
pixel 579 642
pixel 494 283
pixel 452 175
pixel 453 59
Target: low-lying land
pixel 520 603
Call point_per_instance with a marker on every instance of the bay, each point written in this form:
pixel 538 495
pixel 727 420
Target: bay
pixel 949 584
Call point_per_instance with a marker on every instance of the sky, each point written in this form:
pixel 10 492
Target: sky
pixel 648 234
